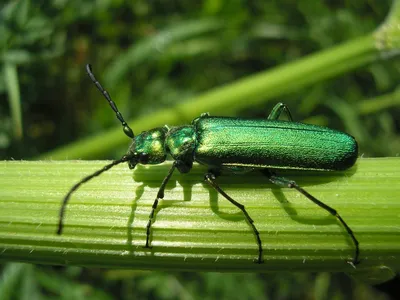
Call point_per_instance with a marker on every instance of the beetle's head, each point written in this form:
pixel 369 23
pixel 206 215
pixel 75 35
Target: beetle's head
pixel 148 148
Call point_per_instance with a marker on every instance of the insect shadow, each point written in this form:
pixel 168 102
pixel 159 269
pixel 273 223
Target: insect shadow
pixel 260 181
pixel 301 180
pixel 157 177
pixel 253 179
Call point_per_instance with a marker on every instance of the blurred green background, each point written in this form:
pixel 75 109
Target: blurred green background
pixel 154 55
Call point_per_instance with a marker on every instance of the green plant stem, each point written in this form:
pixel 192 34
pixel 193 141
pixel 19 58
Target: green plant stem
pixel 247 92
pixel 194 228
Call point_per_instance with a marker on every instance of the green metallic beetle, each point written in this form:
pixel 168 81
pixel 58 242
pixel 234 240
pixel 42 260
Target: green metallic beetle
pixel 236 145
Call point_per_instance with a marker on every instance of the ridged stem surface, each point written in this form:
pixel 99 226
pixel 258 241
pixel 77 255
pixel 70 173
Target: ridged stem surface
pixel 194 228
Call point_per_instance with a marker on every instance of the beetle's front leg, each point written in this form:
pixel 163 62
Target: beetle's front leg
pixel 210 178
pixel 160 195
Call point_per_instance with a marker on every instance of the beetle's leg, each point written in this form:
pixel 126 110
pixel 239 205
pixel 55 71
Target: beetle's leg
pixel 277 110
pixel 203 115
pixel 210 178
pixel 284 182
pixel 160 195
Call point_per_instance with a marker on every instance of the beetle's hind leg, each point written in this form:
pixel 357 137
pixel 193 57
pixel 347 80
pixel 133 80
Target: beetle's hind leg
pixel 210 178
pixel 277 111
pixel 284 182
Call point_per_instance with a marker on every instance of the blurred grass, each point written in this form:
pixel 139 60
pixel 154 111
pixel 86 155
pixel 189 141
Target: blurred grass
pixel 230 98
pixel 153 56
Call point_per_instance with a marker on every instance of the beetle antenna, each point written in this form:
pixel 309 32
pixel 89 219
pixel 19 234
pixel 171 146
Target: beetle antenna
pixel 124 158
pixel 127 130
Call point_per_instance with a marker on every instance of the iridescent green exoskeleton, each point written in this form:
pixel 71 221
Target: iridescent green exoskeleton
pixel 236 145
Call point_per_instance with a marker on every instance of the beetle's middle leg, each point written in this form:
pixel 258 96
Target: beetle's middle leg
pixel 210 178
pixel 284 182
pixel 160 195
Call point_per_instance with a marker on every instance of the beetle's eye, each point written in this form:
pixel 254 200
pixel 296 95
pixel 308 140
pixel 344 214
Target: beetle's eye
pixel 144 157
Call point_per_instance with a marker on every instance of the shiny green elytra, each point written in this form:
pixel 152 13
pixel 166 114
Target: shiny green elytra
pixel 236 145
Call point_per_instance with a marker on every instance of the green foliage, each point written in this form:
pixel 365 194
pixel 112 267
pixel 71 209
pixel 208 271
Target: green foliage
pixel 21 281
pixel 153 55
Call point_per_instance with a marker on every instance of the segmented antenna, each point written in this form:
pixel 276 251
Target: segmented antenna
pixel 127 130
pixel 124 158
